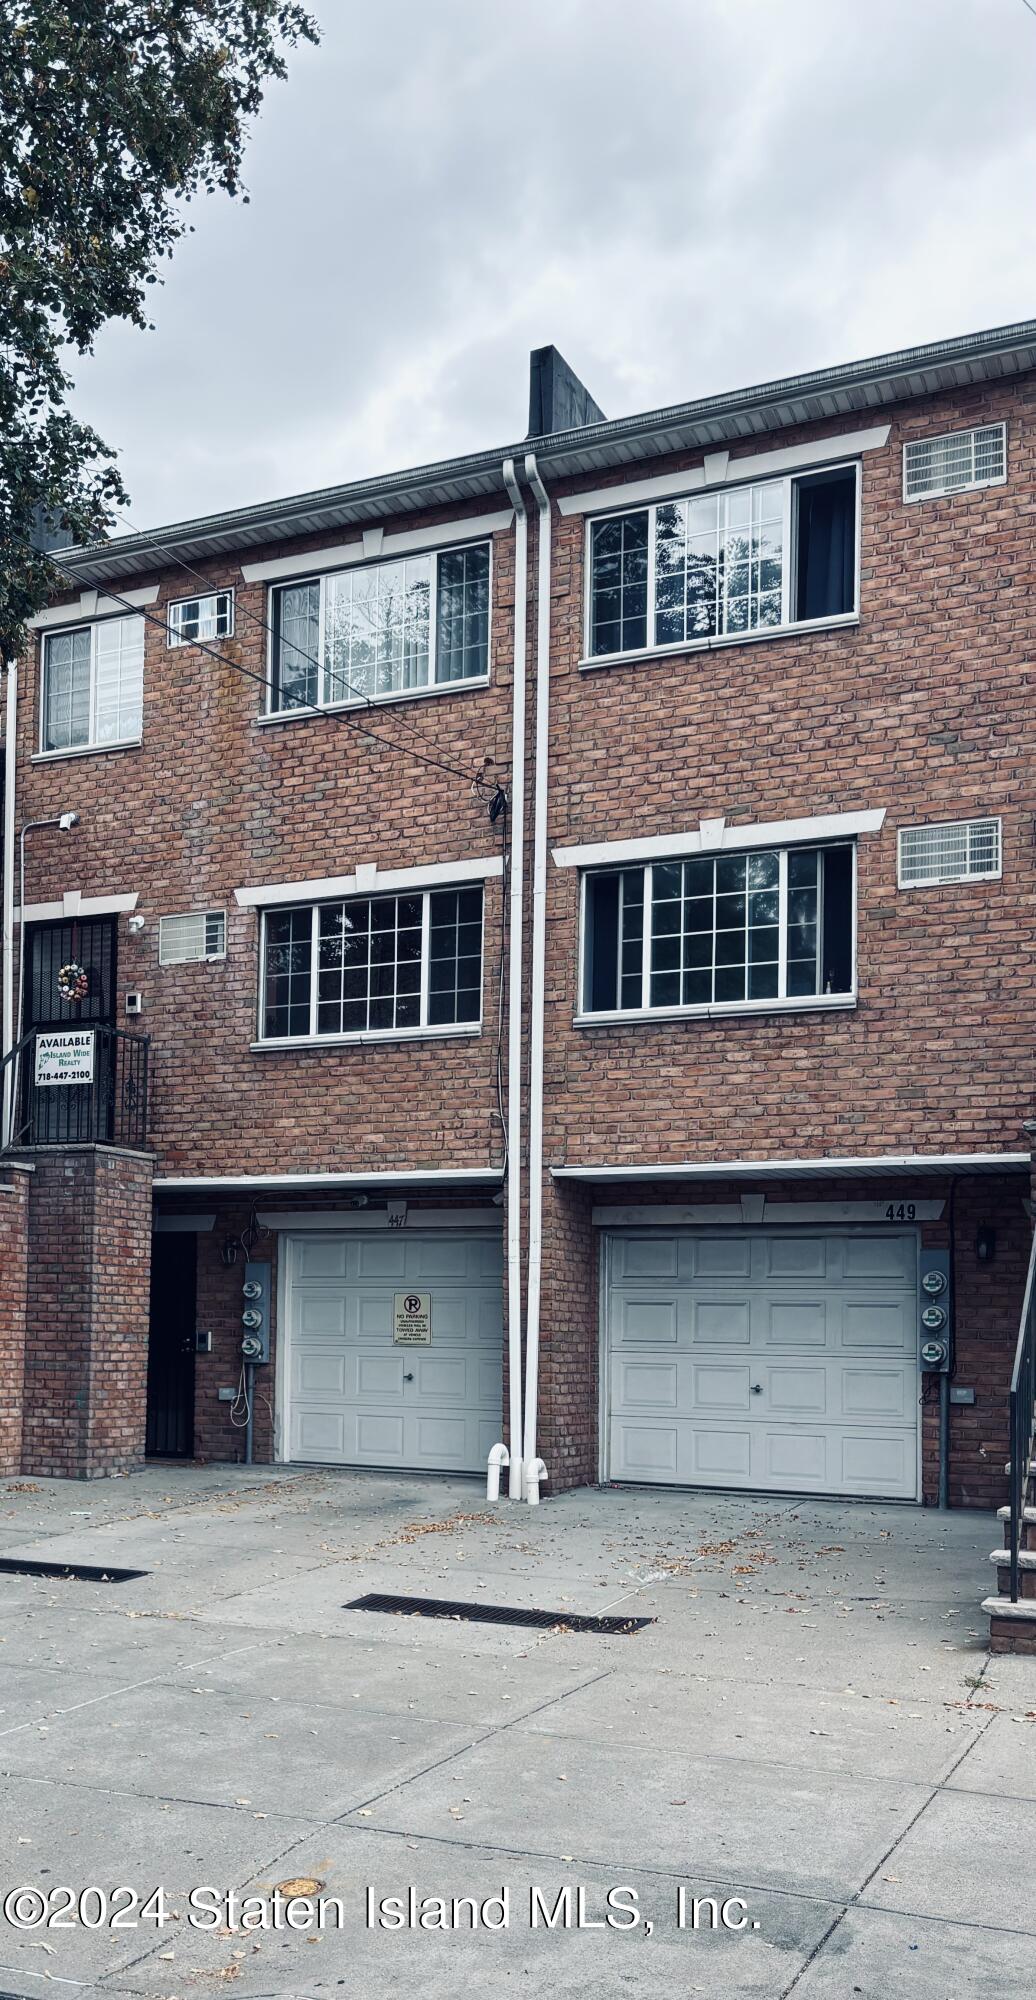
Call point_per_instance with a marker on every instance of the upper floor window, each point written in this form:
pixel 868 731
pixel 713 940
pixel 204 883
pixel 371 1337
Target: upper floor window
pixel 201 618
pixel 373 965
pixel 384 629
pixel 93 685
pixel 952 463
pixel 720 930
pixel 953 851
pixel 724 564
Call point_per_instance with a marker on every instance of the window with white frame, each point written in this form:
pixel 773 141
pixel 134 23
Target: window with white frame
pixel 93 685
pixel 953 851
pixel 954 462
pixel 382 629
pixel 724 564
pixel 198 934
pixel 373 965
pixel 201 618
pixel 719 930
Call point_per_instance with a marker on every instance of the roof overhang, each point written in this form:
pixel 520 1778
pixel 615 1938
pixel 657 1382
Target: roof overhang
pixel 874 1166
pixel 826 394
pixel 381 1179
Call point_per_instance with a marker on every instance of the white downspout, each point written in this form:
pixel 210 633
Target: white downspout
pixel 513 1192
pixel 7 940
pixel 535 1470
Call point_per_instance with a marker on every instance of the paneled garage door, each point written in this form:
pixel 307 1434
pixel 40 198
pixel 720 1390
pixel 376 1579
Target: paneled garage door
pixel 356 1398
pixel 783 1361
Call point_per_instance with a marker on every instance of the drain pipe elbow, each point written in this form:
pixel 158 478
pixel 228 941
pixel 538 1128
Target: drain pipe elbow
pixel 536 1475
pixel 498 1457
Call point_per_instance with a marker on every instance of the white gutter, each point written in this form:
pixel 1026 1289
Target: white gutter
pixel 535 1470
pixel 513 1191
pixel 7 945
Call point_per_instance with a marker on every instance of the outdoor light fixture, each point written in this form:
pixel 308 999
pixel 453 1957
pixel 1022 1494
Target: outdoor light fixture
pixel 134 924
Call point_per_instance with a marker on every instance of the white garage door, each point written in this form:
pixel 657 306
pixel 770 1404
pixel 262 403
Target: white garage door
pixel 784 1361
pixel 358 1398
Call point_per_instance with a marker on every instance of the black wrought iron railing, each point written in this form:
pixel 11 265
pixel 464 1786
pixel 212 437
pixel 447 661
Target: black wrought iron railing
pixel 76 1086
pixel 1022 1404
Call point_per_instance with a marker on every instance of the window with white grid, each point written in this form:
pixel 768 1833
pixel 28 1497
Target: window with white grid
pixel 954 851
pixel 198 934
pixel 950 464
pixel 93 685
pixel 373 965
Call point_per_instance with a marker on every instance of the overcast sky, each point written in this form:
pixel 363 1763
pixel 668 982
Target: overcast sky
pixel 685 196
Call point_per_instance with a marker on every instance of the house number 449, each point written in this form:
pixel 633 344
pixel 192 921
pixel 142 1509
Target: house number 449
pixel 901 1211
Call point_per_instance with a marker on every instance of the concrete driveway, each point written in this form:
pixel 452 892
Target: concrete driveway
pixel 811 1735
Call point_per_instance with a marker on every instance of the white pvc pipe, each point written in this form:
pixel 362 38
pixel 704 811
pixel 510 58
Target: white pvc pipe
pixel 498 1457
pixel 7 946
pixel 533 1473
pixel 513 1191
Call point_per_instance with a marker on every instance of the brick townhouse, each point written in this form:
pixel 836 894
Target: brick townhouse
pixel 708 733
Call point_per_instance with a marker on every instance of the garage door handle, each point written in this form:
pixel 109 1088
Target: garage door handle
pixel 408 1378
pixel 757 1388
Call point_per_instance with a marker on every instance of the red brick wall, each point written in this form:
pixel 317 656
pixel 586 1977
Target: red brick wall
pixel 925 708
pixel 14 1247
pixel 87 1316
pixel 214 800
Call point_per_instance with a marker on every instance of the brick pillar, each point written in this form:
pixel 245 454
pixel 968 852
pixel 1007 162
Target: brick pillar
pixel 87 1311
pixel 14 1257
pixel 569 1338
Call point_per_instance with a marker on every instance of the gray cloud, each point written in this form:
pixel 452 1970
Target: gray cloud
pixel 684 195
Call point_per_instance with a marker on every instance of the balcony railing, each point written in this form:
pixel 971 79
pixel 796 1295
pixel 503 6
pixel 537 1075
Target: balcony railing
pixel 1022 1403
pixel 77 1086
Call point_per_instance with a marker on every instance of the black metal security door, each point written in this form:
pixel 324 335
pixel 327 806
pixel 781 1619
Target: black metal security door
pixel 170 1360
pixel 70 1112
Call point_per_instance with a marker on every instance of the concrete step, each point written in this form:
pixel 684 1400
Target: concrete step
pixel 1001 1607
pixel 1028 1514
pixel 1002 1558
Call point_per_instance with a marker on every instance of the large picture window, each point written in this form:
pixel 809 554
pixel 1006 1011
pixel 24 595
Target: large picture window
pixel 373 965
pixel 723 930
pixel 724 564
pixel 382 629
pixel 93 685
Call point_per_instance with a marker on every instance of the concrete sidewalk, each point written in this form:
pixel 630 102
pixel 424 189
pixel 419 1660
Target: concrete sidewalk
pixel 811 1725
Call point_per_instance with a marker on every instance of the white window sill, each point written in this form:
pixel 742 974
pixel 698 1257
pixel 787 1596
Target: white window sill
pixel 87 750
pixel 376 701
pixel 281 1043
pixel 800 627
pixel 725 1010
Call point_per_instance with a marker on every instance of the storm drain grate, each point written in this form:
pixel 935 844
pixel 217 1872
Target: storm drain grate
pixel 494 1614
pixel 68 1572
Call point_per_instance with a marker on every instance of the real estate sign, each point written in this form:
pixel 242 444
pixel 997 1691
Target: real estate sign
pixel 66 1056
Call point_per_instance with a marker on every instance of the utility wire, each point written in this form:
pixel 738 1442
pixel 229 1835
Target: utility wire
pixel 308 708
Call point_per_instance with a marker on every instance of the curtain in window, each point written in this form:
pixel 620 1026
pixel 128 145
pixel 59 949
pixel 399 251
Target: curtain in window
pixel 297 628
pixel 66 698
pixel 827 546
pixel 119 684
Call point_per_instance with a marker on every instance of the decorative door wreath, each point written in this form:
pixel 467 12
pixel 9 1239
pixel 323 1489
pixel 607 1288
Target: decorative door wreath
pixel 73 983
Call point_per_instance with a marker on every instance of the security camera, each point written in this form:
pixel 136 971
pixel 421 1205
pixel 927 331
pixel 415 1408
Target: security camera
pixel 67 821
pixel 134 924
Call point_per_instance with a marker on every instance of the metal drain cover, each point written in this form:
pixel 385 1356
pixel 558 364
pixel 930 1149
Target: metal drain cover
pixel 77 1572
pixel 494 1614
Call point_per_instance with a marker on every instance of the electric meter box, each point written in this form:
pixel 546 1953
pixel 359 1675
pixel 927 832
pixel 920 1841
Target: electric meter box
pixel 255 1312
pixel 935 1312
